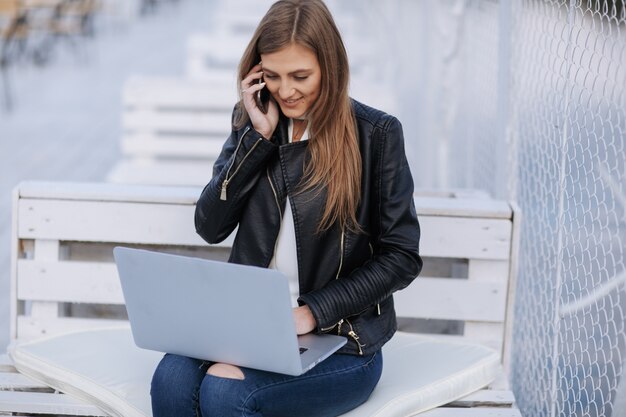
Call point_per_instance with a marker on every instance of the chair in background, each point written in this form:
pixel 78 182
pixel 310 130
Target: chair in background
pixel 75 17
pixel 12 29
pixel 55 20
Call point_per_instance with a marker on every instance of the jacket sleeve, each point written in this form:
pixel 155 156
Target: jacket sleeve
pixel 395 234
pixel 235 172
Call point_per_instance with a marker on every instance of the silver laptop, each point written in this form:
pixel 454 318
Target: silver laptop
pixel 216 311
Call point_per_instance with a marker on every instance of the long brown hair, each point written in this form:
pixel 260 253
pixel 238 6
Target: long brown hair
pixel 335 157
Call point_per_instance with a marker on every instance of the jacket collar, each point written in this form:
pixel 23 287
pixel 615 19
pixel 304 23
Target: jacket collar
pixel 282 129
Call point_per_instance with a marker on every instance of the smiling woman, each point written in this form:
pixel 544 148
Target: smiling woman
pixel 319 188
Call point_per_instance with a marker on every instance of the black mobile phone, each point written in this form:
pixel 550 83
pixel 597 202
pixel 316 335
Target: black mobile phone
pixel 262 98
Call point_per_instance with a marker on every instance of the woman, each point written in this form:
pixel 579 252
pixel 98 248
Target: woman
pixel 319 187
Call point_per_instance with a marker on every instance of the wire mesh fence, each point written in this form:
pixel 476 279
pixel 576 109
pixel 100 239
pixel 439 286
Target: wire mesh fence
pixel 527 99
pixel 570 142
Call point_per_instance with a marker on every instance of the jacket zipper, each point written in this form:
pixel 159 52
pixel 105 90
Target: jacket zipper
pixel 338 324
pixel 355 337
pixel 280 212
pixel 228 179
pixel 341 257
pixel 371 254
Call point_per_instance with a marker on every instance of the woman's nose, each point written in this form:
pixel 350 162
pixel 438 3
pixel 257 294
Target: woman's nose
pixel 285 90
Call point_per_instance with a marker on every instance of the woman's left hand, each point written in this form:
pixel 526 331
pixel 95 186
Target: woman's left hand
pixel 305 322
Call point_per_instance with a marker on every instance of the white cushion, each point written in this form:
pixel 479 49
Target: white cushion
pixel 420 373
pixel 104 367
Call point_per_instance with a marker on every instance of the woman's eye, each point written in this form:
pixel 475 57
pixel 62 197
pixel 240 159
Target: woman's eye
pixel 301 78
pixel 270 77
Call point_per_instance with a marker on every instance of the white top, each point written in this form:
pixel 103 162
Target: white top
pixel 285 253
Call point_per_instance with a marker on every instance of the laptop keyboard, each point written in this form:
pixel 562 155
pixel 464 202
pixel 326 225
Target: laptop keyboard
pixel 302 350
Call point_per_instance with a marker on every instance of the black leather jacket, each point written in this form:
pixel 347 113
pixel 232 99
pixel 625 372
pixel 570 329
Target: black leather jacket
pixel 345 278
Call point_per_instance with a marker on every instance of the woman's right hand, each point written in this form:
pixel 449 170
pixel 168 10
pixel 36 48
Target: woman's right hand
pixel 264 123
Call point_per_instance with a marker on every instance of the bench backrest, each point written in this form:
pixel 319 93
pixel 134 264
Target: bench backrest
pixel 211 54
pixel 64 278
pixel 173 129
pixel 174 118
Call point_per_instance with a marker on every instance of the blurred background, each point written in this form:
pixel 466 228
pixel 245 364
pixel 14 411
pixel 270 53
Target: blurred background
pixel 523 100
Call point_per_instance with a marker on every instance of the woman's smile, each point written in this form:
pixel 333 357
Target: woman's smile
pixel 292 103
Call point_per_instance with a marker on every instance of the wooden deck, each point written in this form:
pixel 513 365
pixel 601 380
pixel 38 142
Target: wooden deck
pixel 67 116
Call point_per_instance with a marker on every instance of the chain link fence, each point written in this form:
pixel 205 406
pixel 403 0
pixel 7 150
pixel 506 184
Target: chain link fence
pixel 527 99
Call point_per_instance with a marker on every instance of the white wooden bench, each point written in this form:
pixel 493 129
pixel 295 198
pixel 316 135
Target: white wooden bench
pixel 173 130
pixel 63 235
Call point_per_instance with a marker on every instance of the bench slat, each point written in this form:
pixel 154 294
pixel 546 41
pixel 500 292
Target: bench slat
pixel 175 122
pixel 13 381
pixel 485 397
pixel 196 69
pixel 141 223
pixel 472 412
pixel 102 191
pixel 173 93
pixel 427 202
pixel 463 207
pixel 45 403
pixel 73 220
pixel 79 282
pixel 492 340
pixel 165 173
pixel 209 49
pixel 30 328
pixel 150 145
pixel 6 364
pixel 446 299
pixel 459 237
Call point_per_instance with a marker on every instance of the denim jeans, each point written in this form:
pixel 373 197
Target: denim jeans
pixel 182 388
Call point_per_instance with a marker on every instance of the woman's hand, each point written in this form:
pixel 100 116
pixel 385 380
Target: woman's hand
pixel 305 322
pixel 264 123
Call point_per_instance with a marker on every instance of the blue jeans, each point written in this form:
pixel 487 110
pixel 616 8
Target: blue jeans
pixel 182 388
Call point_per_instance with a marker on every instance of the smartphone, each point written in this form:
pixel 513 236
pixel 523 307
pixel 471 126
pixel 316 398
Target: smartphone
pixel 262 98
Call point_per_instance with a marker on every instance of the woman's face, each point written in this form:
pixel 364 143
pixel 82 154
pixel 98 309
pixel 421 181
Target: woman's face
pixel 293 77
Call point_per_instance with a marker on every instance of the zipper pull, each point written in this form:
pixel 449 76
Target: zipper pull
pixel 325 329
pixel 378 307
pixel 223 194
pixel 339 327
pixel 354 336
